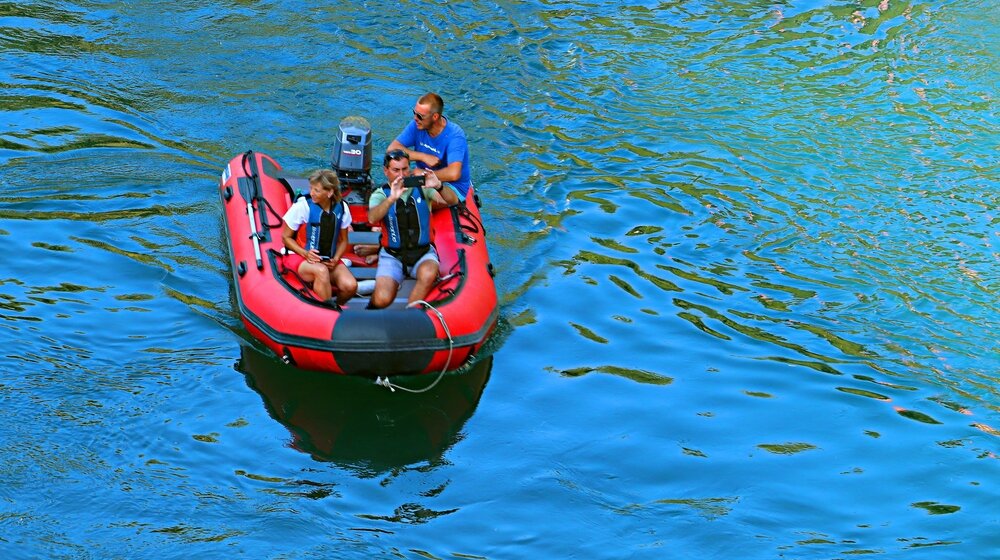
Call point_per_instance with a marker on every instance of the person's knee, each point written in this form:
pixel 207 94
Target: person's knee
pixel 350 285
pixel 380 300
pixel 347 282
pixel 427 272
pixel 385 292
pixel 321 274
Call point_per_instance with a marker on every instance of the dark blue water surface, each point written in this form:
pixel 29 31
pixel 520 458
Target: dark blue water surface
pixel 748 255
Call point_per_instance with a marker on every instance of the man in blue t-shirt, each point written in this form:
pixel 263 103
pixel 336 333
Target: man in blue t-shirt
pixel 434 142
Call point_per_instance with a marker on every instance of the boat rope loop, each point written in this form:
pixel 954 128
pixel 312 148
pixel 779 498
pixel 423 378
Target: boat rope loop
pixel 251 173
pixel 384 382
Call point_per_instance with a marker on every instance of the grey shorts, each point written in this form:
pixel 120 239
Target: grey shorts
pixel 392 267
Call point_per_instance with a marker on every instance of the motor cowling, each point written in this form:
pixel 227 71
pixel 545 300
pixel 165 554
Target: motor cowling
pixel 352 152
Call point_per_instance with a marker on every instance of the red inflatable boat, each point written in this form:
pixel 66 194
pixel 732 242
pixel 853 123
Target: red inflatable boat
pixel 443 334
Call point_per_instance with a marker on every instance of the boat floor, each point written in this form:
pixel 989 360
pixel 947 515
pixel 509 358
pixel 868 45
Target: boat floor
pixel 367 274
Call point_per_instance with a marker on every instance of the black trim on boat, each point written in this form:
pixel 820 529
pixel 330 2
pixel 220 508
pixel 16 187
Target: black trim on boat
pixel 404 333
pixel 336 344
pixel 339 343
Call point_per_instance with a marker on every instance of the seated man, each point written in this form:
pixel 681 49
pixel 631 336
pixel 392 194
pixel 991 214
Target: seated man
pixel 315 235
pixel 434 142
pixel 404 215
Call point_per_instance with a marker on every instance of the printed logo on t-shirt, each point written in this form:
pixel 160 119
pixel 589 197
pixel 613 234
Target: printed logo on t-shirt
pixel 432 149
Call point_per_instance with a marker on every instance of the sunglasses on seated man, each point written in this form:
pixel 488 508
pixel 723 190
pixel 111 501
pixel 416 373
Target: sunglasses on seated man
pixel 421 117
pixel 393 156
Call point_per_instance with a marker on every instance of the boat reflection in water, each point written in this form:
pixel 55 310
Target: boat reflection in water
pixel 360 425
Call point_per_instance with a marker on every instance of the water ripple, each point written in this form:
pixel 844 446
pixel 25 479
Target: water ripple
pixel 760 237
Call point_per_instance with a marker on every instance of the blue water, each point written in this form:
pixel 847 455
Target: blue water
pixel 747 254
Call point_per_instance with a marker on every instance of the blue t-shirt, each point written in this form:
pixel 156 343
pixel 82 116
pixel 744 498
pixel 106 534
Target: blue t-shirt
pixel 449 146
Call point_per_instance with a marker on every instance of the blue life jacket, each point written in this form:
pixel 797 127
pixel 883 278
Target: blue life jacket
pixel 323 228
pixel 406 231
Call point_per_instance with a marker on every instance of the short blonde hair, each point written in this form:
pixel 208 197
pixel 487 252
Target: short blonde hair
pixel 434 101
pixel 327 179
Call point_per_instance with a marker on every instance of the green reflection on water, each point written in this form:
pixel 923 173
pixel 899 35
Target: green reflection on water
pixel 918 416
pixel 863 393
pixel 23 102
pixel 709 507
pixel 641 376
pixel 935 508
pixel 588 334
pixel 786 448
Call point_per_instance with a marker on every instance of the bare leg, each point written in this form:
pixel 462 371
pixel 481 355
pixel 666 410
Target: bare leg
pixel 427 274
pixel 320 278
pixel 385 291
pixel 346 284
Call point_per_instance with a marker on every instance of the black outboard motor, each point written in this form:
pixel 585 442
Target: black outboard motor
pixel 352 154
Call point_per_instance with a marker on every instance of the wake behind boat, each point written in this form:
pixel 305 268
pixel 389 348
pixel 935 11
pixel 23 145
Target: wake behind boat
pixel 442 333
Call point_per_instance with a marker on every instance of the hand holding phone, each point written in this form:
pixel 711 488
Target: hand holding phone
pixel 414 181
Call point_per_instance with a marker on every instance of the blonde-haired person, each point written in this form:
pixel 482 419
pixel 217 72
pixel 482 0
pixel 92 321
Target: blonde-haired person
pixel 315 235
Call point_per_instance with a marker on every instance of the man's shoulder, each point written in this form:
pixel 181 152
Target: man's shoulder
pixel 408 131
pixel 377 196
pixel 454 129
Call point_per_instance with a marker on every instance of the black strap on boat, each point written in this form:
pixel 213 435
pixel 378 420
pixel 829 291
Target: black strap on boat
pixel 457 271
pixel 306 291
pixel 274 213
pixel 460 229
pixel 476 225
pixel 290 182
pixel 254 175
pixel 471 224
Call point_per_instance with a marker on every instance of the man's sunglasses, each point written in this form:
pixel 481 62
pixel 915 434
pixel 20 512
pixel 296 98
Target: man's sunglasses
pixel 394 155
pixel 421 117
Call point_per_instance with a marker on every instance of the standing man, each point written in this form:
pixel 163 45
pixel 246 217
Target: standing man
pixel 405 216
pixel 434 142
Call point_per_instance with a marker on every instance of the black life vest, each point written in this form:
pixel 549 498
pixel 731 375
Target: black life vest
pixel 406 231
pixel 322 229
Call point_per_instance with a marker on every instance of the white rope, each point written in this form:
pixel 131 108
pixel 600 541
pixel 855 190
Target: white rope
pixel 384 382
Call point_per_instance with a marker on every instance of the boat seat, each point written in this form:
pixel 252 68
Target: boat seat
pixel 364 272
pixel 402 296
pixel 363 237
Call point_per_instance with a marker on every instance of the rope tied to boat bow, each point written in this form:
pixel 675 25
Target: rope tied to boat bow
pixel 384 382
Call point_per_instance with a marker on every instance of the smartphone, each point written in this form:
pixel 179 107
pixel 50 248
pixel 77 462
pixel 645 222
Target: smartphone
pixel 324 258
pixel 414 181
